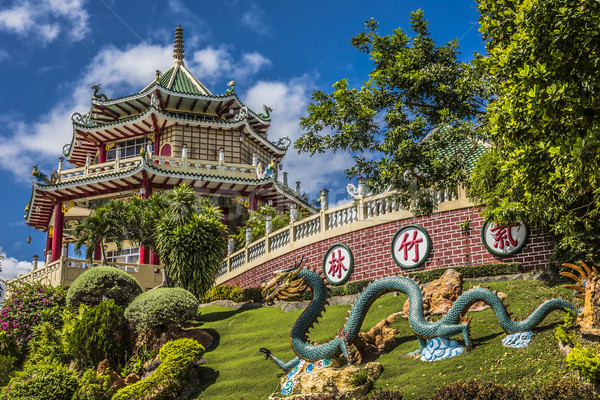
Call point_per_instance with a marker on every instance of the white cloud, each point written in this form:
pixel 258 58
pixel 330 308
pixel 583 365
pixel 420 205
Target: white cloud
pixel 254 18
pixel 46 19
pixel 11 268
pixel 212 63
pixel 289 101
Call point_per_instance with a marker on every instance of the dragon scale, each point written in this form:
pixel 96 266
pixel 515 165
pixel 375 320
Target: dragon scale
pixel 449 325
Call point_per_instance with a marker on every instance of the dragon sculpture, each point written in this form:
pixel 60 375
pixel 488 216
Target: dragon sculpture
pixel 96 95
pixel 267 114
pixel 290 284
pixel 43 178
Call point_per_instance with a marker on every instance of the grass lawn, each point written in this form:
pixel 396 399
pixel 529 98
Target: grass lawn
pixel 236 370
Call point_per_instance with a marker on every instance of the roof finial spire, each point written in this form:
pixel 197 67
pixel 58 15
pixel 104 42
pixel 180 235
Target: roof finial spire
pixel 178 47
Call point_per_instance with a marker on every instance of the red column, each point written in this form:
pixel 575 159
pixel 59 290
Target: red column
pixel 98 252
pixel 156 144
pixel 48 244
pixel 57 234
pixel 102 154
pixel 252 203
pixel 154 258
pixel 143 255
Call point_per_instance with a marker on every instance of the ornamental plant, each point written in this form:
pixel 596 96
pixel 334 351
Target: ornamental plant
pixel 101 283
pixel 161 308
pixel 28 306
pixel 42 382
pixel 178 359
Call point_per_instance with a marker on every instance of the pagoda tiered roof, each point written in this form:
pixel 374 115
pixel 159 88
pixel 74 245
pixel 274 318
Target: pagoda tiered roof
pixel 131 175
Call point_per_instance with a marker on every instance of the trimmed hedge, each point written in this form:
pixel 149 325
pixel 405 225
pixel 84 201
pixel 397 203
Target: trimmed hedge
pixel 101 283
pixel 178 358
pixel 233 293
pixel 160 308
pixel 476 271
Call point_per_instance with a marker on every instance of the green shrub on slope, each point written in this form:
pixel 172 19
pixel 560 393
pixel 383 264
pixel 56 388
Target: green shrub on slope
pixel 101 283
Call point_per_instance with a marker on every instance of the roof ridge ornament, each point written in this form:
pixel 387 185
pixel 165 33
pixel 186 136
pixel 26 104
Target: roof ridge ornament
pixel 178 47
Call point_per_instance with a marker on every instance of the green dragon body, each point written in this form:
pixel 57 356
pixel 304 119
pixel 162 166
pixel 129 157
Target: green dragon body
pixel 289 285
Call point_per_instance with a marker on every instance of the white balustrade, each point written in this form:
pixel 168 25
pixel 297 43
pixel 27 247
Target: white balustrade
pixel 257 250
pixel 280 239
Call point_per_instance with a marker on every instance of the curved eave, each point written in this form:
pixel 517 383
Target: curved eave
pixel 89 137
pixel 221 106
pixel 44 197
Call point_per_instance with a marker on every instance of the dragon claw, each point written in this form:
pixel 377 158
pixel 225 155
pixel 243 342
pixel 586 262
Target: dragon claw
pixel 267 352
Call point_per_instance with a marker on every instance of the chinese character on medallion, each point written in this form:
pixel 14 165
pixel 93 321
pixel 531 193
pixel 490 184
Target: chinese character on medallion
pixel 504 240
pixel 338 264
pixel 411 246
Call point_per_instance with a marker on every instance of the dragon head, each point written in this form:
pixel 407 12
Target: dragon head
pixel 585 275
pixel 285 285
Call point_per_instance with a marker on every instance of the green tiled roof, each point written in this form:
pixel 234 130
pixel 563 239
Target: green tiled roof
pixel 470 149
pixel 166 77
pixel 184 84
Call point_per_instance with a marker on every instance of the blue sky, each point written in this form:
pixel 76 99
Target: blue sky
pixel 52 51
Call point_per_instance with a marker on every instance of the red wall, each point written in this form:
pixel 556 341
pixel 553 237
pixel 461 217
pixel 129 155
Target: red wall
pixel 371 249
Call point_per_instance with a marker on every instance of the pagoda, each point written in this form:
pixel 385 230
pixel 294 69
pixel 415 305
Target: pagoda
pixel 174 131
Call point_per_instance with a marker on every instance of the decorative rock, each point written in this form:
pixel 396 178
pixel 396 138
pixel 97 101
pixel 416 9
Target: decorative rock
pixel 518 340
pixel 589 319
pixel 440 294
pixel 379 340
pixel 131 379
pixel 316 378
pixel 102 367
pixel 439 349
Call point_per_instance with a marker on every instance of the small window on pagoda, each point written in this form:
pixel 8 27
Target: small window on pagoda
pixel 165 151
pixel 128 149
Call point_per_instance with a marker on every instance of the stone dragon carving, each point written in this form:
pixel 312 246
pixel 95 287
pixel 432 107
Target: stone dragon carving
pixel 96 95
pixel 43 178
pixel 290 284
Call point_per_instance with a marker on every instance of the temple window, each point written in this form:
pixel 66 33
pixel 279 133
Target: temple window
pixel 128 149
pixel 130 255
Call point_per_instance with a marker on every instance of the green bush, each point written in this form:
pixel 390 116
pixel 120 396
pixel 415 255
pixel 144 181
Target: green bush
pixel 253 294
pixel 101 283
pixel 51 381
pixel 46 346
pixel 224 292
pixel 469 272
pixel 96 333
pixel 7 367
pixel 586 362
pixel 178 358
pixel 562 390
pixel 93 387
pixel 564 333
pixel 475 390
pixel 160 308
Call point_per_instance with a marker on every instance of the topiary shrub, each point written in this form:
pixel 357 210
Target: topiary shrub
pixel 562 390
pixel 178 358
pixel 224 292
pixel 475 390
pixel 41 382
pixel 96 333
pixel 161 308
pixel 101 283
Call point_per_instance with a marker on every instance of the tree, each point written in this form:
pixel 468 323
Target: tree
pixel 105 225
pixel 544 166
pixel 141 217
pixel 189 238
pixel 414 88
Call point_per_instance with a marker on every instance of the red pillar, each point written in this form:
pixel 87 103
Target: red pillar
pixel 57 234
pixel 98 252
pixel 102 154
pixel 156 144
pixel 252 203
pixel 48 244
pixel 154 258
pixel 143 255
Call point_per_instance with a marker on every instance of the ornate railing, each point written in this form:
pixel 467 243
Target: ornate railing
pixel 182 164
pixel 65 270
pixel 362 213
